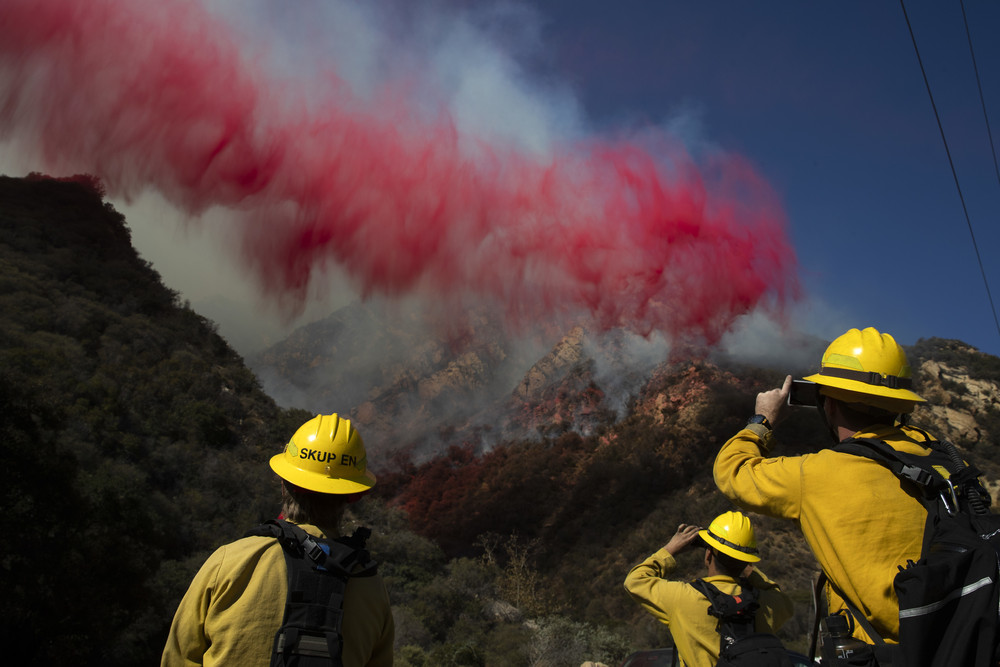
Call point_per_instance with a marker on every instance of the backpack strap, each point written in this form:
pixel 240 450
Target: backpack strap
pixel 739 643
pixel 903 466
pixel 317 573
pixel 736 613
pixel 942 475
pixel 346 554
pixel 351 555
pixel 863 621
pixel 885 653
pixel 924 471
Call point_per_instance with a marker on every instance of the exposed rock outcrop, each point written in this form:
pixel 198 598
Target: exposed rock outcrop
pixel 956 402
pixel 567 353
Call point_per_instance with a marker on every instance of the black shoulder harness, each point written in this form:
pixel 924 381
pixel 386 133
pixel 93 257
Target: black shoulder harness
pixel 318 570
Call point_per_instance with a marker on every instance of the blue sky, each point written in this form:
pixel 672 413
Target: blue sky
pixel 826 99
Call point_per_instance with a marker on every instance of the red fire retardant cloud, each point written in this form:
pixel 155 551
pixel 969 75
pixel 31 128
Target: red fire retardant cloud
pixel 158 95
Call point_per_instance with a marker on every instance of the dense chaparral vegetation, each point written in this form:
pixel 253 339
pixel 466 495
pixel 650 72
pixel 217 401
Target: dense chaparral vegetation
pixel 135 441
pixel 131 433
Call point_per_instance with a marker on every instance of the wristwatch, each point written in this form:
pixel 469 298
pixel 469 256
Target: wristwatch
pixel 760 419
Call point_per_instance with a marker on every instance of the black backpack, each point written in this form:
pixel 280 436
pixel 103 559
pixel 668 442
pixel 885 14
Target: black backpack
pixel 739 644
pixel 318 570
pixel 949 600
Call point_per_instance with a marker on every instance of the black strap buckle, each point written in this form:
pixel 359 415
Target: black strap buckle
pixel 880 380
pixel 314 551
pixel 917 475
pixel 868 377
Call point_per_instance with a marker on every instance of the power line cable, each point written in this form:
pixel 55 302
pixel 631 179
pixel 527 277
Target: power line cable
pixel 951 163
pixel 982 100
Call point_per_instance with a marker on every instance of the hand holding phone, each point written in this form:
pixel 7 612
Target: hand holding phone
pixel 771 404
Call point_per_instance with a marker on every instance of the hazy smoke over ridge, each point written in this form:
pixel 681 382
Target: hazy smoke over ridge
pixel 404 191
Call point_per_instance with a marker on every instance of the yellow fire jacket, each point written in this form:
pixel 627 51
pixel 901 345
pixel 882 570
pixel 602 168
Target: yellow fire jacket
pixel 685 610
pixel 236 602
pixel 859 522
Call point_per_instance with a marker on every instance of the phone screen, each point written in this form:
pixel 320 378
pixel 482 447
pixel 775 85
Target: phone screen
pixel 804 393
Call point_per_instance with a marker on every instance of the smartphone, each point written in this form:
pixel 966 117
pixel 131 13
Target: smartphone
pixel 804 393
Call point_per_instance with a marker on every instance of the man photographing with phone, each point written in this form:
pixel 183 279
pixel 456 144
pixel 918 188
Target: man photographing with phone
pixel 858 519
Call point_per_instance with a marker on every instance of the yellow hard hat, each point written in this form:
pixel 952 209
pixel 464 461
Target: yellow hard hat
pixel 732 534
pixel 326 455
pixel 867 367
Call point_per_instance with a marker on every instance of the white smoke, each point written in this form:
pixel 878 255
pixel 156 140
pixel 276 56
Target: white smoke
pixel 477 63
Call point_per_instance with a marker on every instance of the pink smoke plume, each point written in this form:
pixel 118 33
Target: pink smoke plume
pixel 158 95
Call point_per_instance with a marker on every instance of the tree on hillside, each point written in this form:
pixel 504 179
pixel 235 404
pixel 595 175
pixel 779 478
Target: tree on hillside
pixel 133 438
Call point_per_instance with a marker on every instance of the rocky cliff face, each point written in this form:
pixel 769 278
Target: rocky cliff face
pixel 415 387
pixel 402 376
pixel 959 406
pixel 566 354
pixel 962 388
pixel 410 385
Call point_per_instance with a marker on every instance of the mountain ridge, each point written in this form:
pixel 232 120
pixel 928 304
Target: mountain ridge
pixel 135 441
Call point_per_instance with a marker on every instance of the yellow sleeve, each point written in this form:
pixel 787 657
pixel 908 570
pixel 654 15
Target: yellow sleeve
pixel 771 486
pixel 382 655
pixel 777 607
pixel 647 584
pixel 187 643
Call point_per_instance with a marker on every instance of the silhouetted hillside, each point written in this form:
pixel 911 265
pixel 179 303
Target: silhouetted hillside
pixel 133 437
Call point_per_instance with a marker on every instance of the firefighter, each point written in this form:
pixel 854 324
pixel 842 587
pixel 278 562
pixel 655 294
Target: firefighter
pixel 730 550
pixel 236 603
pixel 859 522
